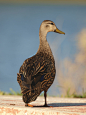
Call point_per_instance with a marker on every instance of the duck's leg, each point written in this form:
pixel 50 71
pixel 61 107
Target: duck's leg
pixel 45 95
pixel 26 104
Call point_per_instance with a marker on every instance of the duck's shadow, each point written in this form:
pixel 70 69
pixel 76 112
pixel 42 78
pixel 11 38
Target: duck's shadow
pixel 66 104
pixel 63 104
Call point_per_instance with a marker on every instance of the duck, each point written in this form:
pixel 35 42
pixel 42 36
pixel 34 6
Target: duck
pixel 37 73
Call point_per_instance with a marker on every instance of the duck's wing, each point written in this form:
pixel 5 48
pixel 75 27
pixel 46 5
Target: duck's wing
pixel 32 73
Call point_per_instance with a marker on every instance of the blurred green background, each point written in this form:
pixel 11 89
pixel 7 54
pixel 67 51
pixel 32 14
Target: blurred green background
pixel 19 39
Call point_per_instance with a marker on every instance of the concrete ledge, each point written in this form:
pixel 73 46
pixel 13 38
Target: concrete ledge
pixel 13 105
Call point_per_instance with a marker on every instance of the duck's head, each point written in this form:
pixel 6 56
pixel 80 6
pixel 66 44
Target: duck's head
pixel 49 26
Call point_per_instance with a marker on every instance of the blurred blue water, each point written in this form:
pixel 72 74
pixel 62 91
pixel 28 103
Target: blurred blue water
pixel 19 36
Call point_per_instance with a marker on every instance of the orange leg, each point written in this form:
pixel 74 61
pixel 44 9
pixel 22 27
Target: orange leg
pixel 26 104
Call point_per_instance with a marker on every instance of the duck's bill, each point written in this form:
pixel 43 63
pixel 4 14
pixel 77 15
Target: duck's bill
pixel 58 31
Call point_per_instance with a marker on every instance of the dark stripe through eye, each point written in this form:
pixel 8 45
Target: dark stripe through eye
pixel 51 23
pixel 47 25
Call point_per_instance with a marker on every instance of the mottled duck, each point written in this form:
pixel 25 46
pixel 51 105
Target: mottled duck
pixel 38 72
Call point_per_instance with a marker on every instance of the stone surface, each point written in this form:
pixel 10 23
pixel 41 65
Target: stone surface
pixel 13 105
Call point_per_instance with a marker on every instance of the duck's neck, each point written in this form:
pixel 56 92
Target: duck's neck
pixel 44 46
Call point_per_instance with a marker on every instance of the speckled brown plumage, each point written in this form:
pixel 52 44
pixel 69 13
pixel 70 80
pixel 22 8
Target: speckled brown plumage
pixel 38 72
pixel 33 69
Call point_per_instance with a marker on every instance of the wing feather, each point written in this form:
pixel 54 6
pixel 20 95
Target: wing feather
pixel 33 71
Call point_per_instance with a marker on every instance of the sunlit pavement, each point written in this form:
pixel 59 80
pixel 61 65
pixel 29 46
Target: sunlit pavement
pixel 13 105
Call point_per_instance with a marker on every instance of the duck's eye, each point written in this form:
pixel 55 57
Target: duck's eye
pixel 52 24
